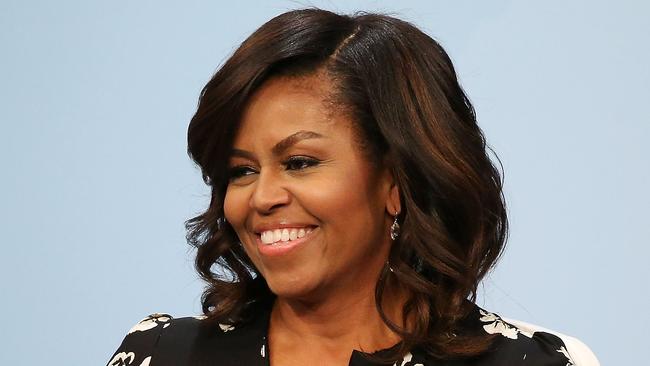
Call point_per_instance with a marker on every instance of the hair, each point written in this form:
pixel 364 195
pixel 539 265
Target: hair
pixel 401 89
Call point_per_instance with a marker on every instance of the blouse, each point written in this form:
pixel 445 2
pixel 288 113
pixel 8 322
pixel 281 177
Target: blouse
pixel 161 340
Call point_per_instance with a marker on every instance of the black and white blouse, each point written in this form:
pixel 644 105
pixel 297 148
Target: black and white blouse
pixel 161 340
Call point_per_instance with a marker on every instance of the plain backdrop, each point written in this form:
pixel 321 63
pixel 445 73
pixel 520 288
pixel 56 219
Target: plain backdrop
pixel 95 98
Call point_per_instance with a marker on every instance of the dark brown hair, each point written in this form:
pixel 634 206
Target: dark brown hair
pixel 402 91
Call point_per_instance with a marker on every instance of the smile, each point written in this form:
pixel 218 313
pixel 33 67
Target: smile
pixel 284 235
pixel 282 241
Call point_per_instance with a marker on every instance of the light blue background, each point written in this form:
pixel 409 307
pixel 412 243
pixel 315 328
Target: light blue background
pixel 95 99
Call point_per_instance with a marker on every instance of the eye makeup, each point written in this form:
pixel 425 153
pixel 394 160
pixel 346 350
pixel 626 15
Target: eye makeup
pixel 293 163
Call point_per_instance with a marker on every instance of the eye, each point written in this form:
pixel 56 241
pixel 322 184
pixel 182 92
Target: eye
pixel 300 162
pixel 239 171
pixel 292 163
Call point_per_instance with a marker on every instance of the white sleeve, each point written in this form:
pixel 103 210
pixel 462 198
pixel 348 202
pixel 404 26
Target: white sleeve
pixel 578 351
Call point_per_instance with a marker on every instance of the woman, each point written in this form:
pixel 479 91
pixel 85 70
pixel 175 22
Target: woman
pixel 354 209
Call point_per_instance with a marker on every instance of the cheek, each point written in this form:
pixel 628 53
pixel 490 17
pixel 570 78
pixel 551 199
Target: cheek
pixel 234 207
pixel 340 201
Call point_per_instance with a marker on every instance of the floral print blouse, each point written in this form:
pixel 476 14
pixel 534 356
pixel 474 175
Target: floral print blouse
pixel 161 340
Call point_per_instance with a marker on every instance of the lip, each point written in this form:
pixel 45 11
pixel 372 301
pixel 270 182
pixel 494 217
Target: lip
pixel 282 248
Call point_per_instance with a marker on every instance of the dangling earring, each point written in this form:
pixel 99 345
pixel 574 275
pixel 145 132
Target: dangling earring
pixel 221 221
pixel 394 229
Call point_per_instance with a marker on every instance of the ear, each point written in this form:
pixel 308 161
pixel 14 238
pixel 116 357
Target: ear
pixel 393 203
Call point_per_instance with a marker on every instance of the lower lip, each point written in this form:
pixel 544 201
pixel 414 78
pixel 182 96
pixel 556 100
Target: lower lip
pixel 282 247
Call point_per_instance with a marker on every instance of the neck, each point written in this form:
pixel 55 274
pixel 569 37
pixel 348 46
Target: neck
pixel 339 322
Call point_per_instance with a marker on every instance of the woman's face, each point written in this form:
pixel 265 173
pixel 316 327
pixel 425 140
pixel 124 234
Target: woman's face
pixel 297 174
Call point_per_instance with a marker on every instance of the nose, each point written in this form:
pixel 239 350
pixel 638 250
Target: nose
pixel 269 193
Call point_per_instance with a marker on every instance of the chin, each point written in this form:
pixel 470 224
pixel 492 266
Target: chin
pixel 292 286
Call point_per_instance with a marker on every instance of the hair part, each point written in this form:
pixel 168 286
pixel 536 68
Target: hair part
pixel 409 110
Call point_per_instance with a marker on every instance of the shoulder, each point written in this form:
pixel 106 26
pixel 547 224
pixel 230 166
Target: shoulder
pixel 161 339
pixel 142 342
pixel 575 349
pixel 517 342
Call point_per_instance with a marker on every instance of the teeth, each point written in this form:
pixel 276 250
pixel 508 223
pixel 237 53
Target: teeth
pixel 284 235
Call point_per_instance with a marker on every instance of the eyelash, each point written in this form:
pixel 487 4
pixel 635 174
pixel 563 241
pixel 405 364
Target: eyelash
pixel 239 170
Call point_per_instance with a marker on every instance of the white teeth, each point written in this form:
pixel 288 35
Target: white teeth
pixel 284 235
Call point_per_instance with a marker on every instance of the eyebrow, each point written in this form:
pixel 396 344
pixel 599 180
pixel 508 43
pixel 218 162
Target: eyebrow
pixel 282 145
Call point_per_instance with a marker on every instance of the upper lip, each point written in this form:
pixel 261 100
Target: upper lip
pixel 259 228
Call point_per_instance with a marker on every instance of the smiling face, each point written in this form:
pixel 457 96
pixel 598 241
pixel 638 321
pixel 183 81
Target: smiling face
pixel 295 165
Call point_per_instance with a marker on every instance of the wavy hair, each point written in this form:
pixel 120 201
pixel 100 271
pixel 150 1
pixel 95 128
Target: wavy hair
pixel 401 89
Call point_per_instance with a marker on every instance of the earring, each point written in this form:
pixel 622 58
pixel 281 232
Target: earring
pixel 221 222
pixel 394 229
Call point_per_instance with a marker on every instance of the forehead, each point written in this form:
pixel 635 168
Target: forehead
pixel 284 105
